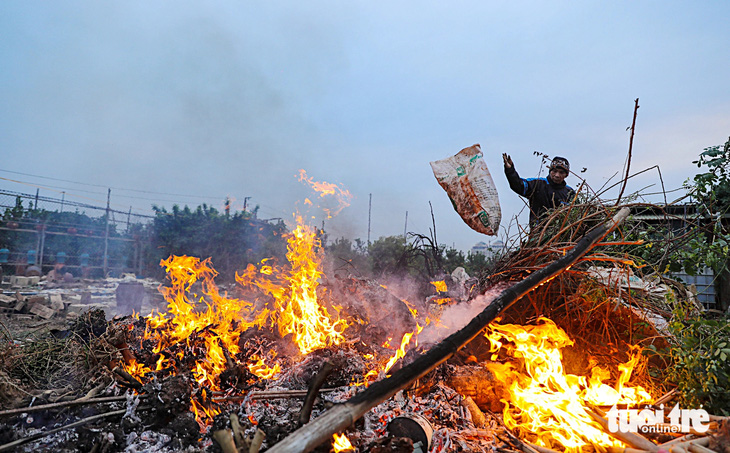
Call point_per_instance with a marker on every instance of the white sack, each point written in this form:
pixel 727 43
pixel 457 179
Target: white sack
pixel 466 179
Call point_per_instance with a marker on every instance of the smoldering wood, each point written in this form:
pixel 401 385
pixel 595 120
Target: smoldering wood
pixel 525 447
pixel 340 417
pixel 127 378
pixel 314 386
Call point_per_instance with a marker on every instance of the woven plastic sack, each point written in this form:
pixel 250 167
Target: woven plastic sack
pixel 466 179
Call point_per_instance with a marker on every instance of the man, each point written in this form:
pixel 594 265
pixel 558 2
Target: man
pixel 542 193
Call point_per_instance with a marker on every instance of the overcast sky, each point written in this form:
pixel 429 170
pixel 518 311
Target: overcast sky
pixel 214 99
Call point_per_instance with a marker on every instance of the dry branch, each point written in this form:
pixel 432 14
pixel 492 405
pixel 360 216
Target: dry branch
pixel 313 391
pixel 634 440
pixel 268 395
pixel 258 439
pixel 238 437
pixel 22 410
pixel 540 449
pixel 477 416
pixel 342 416
pixel 16 443
pixel 666 397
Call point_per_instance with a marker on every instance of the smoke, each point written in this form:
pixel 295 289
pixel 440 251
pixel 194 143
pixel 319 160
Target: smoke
pixel 455 317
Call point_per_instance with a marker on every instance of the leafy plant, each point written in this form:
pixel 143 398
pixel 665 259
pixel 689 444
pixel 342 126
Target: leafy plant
pixel 713 186
pixel 701 363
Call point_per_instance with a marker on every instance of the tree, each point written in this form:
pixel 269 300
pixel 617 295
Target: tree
pixel 232 241
pixel 349 256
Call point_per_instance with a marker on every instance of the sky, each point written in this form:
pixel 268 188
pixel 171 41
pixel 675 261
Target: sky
pixel 188 102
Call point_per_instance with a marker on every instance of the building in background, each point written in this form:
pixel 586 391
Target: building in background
pixel 489 249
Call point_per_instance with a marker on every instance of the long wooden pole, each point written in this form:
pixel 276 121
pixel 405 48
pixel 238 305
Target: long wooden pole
pixel 631 146
pixel 321 429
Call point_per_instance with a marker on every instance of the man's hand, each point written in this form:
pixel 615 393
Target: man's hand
pixel 507 161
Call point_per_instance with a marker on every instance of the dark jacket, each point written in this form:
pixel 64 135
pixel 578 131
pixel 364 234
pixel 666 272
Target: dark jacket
pixel 542 193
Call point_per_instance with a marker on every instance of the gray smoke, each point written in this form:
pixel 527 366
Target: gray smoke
pixel 454 317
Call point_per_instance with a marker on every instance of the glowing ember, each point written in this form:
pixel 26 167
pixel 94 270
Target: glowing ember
pixel 546 405
pixel 341 443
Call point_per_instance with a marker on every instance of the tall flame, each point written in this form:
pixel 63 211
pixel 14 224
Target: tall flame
pixel 547 405
pixel 296 308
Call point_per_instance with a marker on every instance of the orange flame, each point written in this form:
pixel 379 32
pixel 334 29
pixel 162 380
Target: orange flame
pixel 546 405
pixel 399 354
pixel 343 196
pixel 440 286
pixel 341 443
pixel 260 369
pixel 219 326
pixel 297 310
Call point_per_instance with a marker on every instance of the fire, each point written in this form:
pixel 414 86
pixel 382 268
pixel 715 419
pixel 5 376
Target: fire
pixel 440 286
pixel 200 333
pixel 341 443
pixel 546 405
pixel 296 308
pixel 399 354
pixel 260 369
pixel 135 368
pixel 342 196
pixel 214 333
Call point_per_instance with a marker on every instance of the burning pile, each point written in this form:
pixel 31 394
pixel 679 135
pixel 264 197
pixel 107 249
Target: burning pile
pixel 240 360
pixel 218 339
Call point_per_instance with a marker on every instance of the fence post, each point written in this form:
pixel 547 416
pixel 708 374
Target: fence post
pixel 37 243
pixel 138 256
pixel 106 235
pixel 43 246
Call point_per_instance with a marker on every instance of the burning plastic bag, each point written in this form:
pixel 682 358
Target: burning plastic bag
pixel 467 181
